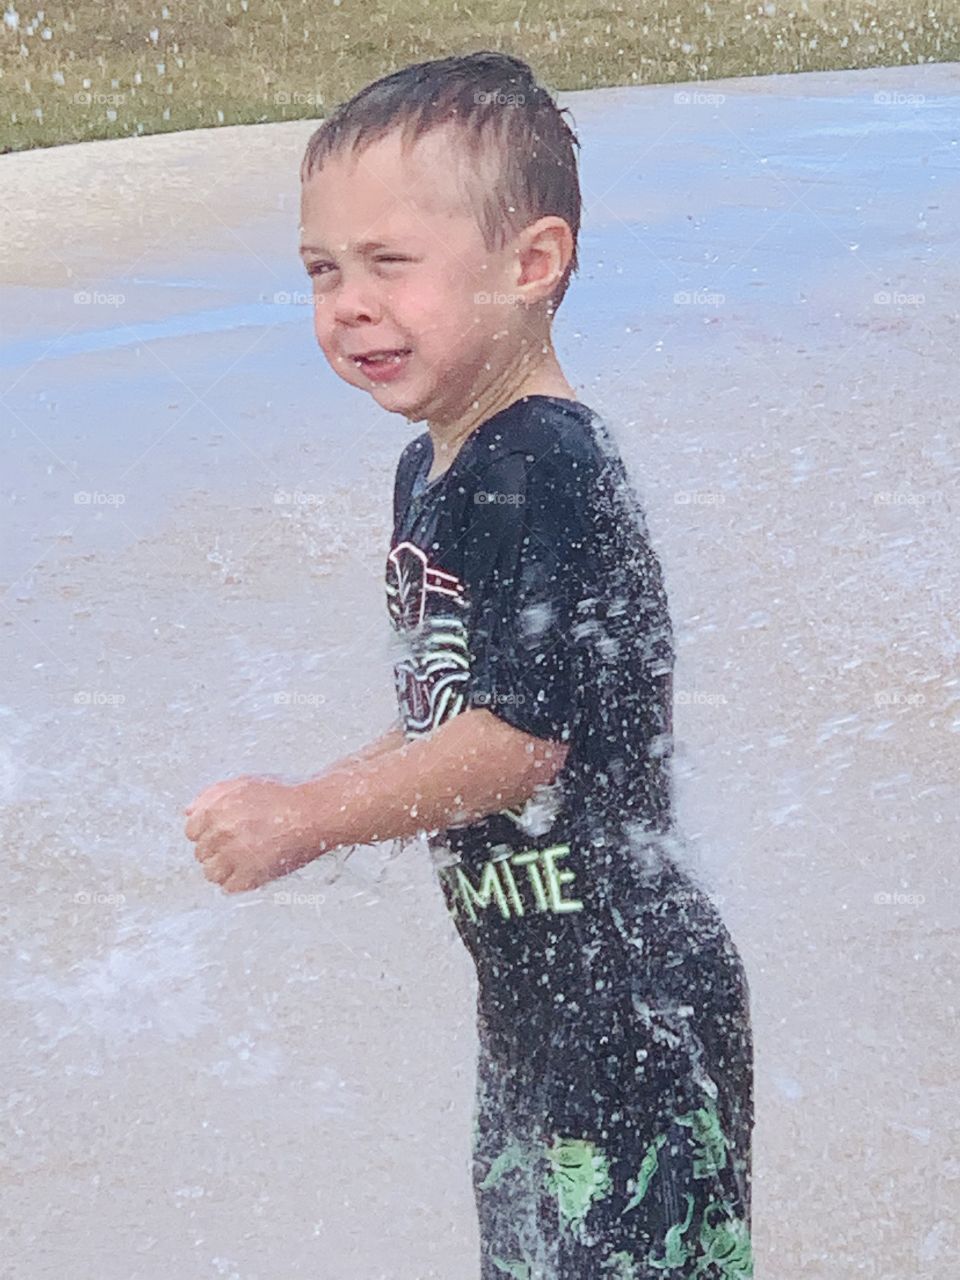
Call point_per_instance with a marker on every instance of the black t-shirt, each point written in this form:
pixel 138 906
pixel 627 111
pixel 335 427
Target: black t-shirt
pixel 522 580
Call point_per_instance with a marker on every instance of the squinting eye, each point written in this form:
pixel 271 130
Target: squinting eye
pixel 321 268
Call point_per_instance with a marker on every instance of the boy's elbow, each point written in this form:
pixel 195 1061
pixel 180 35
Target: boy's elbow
pixel 521 756
pixel 546 757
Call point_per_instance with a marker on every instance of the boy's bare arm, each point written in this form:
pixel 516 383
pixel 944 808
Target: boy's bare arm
pixel 389 741
pixel 472 765
pixel 249 830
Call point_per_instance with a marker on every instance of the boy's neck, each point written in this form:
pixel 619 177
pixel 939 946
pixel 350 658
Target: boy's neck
pixel 448 438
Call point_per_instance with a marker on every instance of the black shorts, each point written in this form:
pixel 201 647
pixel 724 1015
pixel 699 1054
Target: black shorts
pixel 613 1142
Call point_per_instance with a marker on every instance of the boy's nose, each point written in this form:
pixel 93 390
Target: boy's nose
pixel 355 302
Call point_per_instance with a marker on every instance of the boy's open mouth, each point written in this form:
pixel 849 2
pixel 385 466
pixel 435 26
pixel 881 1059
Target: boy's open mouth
pixel 383 366
pixel 381 357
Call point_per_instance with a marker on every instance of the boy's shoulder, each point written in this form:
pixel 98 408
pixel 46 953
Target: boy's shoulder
pixel 542 432
pixel 411 455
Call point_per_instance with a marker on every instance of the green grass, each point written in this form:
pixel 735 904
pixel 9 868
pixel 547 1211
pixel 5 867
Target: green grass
pixel 101 74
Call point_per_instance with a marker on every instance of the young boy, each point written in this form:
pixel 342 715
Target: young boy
pixel 614 1105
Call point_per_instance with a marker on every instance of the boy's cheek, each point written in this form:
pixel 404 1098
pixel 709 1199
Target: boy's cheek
pixel 323 322
pixel 335 358
pixel 447 336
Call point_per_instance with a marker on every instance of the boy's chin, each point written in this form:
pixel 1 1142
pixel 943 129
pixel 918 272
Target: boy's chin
pixel 396 398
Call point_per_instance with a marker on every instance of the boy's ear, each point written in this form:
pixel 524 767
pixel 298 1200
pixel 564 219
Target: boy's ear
pixel 543 253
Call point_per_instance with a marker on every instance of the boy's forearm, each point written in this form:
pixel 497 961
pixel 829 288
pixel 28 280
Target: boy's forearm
pixel 389 741
pixel 471 766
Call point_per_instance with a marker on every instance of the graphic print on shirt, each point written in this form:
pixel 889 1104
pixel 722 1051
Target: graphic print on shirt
pixel 428 608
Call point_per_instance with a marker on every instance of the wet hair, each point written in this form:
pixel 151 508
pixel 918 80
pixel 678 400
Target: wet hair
pixel 520 149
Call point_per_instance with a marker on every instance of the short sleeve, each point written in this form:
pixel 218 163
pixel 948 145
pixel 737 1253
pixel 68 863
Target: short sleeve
pixel 526 565
pixel 407 465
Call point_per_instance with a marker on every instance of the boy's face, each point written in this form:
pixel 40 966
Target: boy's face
pixel 398 262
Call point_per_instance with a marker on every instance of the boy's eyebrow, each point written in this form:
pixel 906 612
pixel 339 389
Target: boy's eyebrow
pixel 364 246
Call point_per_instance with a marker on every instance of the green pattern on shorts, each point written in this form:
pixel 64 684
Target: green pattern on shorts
pixel 676 1250
pixel 723 1245
pixel 710 1153
pixel 518 1270
pixel 648 1167
pixel 726 1244
pixel 579 1175
pixel 514 1156
pixel 621 1266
